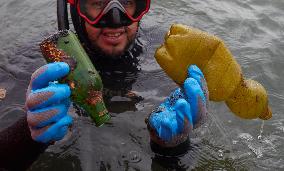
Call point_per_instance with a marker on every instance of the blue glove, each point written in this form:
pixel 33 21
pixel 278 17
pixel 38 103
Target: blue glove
pixel 171 123
pixel 47 103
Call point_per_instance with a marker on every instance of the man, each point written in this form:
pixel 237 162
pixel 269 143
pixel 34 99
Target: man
pixel 107 30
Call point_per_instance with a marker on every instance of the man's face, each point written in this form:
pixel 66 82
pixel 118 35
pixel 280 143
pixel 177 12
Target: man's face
pixel 112 41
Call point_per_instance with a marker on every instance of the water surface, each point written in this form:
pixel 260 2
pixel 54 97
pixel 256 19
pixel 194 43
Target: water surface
pixel 254 31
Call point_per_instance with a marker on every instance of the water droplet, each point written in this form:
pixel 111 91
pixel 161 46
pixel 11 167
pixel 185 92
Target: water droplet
pixel 134 157
pixel 220 153
pixel 261 131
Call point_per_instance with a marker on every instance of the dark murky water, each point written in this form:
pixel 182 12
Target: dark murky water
pixel 254 31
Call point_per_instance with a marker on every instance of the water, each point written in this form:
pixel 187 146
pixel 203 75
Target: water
pixel 254 31
pixel 261 131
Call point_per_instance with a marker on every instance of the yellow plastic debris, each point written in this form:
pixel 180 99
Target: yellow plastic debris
pixel 185 46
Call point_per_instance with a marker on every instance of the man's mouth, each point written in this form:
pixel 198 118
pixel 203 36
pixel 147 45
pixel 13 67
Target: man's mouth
pixel 113 35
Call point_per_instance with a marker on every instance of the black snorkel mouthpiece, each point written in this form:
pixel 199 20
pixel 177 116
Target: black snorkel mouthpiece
pixel 114 18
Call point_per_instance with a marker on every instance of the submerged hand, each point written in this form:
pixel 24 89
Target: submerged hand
pixel 47 103
pixel 171 123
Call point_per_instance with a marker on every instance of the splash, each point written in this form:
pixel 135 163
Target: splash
pixel 249 141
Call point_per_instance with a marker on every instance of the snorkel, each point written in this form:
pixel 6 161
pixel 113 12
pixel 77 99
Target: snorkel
pixel 62 15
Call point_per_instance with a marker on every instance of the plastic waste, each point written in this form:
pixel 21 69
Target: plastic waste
pixel 185 46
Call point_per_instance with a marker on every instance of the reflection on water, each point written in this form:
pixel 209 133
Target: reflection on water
pixel 254 31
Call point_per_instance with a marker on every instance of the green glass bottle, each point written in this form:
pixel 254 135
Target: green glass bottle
pixel 84 80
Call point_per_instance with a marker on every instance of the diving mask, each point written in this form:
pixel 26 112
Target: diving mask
pixel 111 13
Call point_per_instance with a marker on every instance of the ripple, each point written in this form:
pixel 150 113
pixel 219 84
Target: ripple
pixel 252 29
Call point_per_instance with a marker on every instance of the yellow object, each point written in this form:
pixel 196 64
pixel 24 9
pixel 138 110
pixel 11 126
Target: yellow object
pixel 185 46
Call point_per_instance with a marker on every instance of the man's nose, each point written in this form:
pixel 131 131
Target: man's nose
pixel 116 18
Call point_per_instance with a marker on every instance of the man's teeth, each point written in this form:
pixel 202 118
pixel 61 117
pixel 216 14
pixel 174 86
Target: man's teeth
pixel 113 34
